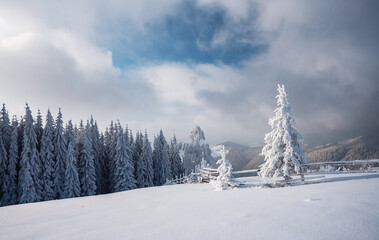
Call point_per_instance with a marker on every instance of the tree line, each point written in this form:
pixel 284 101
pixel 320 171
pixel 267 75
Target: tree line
pixel 40 162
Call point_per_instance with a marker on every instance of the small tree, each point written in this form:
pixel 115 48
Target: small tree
pixel 283 151
pixel 224 171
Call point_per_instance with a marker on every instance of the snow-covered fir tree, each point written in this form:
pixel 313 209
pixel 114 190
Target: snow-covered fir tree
pixel 224 171
pixel 283 150
pixel 87 174
pixel 196 151
pixel 28 182
pixel 98 156
pixel 161 161
pixel 71 180
pixel 3 167
pixel 5 128
pixel 177 167
pixel 38 128
pixel 60 151
pixel 141 164
pixel 123 174
pixel 10 180
pixel 147 156
pixel 69 134
pixel 47 159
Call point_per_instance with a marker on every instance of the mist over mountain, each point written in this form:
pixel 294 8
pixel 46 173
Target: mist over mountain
pixel 328 146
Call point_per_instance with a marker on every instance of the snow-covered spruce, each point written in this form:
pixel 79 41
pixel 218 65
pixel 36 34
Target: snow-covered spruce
pixel 87 172
pixel 28 182
pixel 161 161
pixel 71 180
pixel 224 171
pixel 10 180
pixel 196 151
pixel 60 151
pixel 123 175
pixel 47 159
pixel 283 150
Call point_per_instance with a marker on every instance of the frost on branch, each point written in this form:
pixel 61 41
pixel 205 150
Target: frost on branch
pixel 283 150
pixel 224 170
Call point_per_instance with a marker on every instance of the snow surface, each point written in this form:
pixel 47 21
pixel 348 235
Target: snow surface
pixel 346 207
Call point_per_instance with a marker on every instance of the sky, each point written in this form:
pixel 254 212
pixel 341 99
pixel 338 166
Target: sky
pixel 173 65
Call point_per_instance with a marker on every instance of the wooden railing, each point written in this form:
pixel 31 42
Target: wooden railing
pixel 205 175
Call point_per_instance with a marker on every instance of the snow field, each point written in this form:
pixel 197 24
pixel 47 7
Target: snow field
pixel 347 207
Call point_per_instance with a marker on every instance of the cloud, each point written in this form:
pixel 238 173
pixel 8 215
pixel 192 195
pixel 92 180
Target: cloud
pixel 209 62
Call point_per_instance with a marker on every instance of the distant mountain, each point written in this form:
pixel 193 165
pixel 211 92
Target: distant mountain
pixel 241 157
pixel 316 148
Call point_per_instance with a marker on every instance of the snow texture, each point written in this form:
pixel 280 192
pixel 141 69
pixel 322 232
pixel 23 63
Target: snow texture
pixel 346 207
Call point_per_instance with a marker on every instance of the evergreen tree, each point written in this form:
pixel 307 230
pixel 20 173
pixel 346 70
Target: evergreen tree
pixel 3 168
pixel 47 159
pixel 177 167
pixel 10 181
pixel 98 156
pixel 283 151
pixel 5 128
pixel 87 166
pixel 60 151
pixel 122 177
pixel 5 134
pixel 69 134
pixel 71 181
pixel 28 182
pixel 38 128
pixel 140 161
pixel 224 171
pixel 161 161
pixel 148 159
pixel 21 127
pixel 196 152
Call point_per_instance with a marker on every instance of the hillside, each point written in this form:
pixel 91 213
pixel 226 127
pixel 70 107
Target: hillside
pixel 316 149
pixel 346 207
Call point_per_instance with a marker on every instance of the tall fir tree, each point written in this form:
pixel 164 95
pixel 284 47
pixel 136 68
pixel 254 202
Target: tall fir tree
pixel 3 168
pixel 69 134
pixel 177 167
pixel 38 128
pixel 60 151
pixel 5 134
pixel 47 159
pixel 140 161
pixel 123 175
pixel 196 152
pixel 148 159
pixel 161 161
pixel 5 128
pixel 21 127
pixel 28 182
pixel 283 151
pixel 87 174
pixel 10 181
pixel 98 156
pixel 71 181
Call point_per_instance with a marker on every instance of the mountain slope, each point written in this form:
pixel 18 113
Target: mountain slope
pixel 337 149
